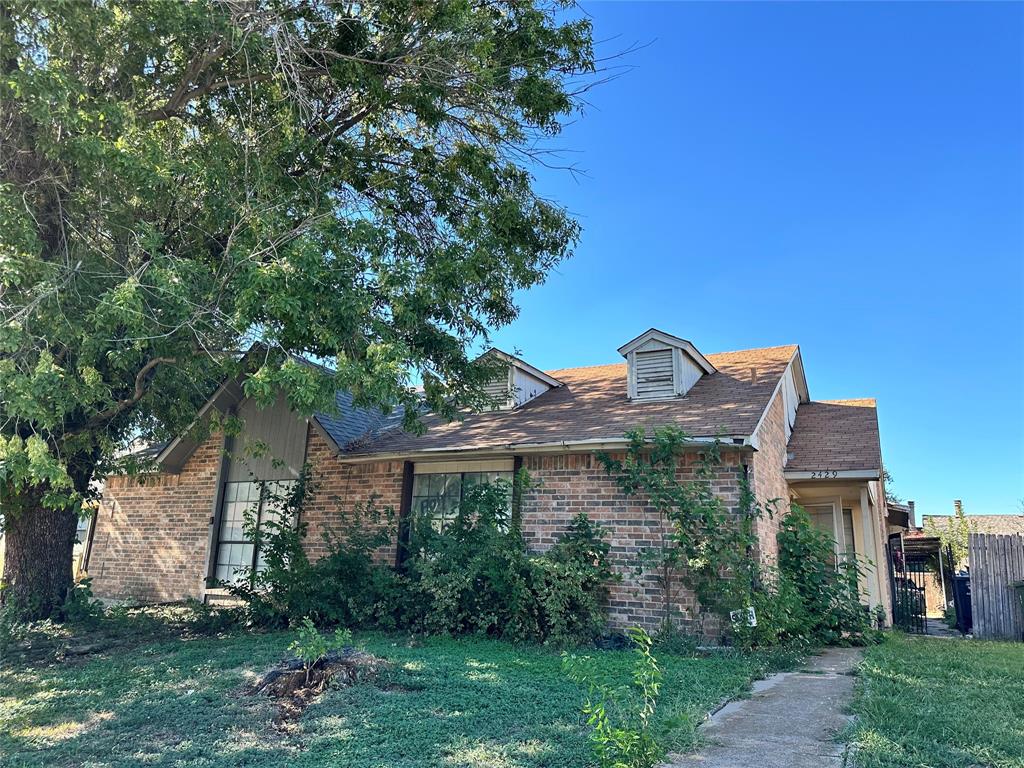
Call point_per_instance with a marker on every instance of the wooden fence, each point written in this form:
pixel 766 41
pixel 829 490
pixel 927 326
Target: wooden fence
pixel 996 563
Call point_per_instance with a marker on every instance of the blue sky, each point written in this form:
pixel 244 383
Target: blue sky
pixel 849 177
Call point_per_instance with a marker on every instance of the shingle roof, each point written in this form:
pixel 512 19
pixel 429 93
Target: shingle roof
pixel 1001 524
pixel 835 435
pixel 352 426
pixel 592 405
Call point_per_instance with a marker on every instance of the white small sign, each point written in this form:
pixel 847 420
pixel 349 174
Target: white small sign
pixel 747 616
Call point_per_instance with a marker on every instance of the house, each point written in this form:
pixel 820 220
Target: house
pixel 166 536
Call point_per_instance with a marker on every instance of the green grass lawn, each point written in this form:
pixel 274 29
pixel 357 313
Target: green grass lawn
pixel 445 703
pixel 940 703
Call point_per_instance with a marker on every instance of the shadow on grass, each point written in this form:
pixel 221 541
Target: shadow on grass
pixel 444 703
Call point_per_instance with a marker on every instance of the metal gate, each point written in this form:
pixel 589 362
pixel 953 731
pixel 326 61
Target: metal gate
pixel 907 574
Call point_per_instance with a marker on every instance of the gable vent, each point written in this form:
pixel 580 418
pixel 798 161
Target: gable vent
pixel 654 376
pixel 500 390
pixel 661 366
pixel 518 383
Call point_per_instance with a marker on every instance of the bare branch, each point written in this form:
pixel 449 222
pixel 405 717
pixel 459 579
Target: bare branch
pixel 140 390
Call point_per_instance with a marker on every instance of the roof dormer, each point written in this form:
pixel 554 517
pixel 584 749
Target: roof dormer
pixel 519 382
pixel 661 366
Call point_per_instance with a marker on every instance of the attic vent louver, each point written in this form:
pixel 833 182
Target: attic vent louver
pixel 500 389
pixel 661 366
pixel 654 376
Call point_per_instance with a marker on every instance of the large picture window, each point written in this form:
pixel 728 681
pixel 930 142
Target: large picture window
pixel 237 553
pixel 437 495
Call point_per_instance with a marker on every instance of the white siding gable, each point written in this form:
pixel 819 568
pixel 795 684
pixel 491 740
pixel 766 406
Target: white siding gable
pixel 518 384
pixel 790 400
pixel 526 387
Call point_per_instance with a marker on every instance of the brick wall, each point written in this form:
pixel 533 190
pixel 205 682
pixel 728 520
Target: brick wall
pixel 566 485
pixel 150 541
pixel 342 489
pixel 767 480
pixel 151 536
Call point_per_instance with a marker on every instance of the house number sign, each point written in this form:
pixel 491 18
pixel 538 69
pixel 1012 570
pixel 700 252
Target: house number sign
pixel 825 474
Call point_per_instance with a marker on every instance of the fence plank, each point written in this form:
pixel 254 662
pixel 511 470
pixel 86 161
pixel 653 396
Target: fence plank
pixel 996 562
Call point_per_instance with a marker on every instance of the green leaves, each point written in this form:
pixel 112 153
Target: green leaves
pixel 704 544
pixel 186 185
pixel 621 716
pixel 181 181
pixel 828 608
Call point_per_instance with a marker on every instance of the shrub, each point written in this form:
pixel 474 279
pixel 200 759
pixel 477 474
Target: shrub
pixel 829 610
pixel 621 715
pixel 473 577
pixel 311 647
pixel 80 607
pixel 344 587
pixel 780 613
pixel 476 576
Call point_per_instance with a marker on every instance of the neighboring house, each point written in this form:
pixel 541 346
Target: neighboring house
pixel 164 536
pixel 1004 525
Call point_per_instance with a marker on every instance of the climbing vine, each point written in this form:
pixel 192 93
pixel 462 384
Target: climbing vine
pixel 704 545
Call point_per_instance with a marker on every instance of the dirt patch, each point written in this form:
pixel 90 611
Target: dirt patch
pixel 294 689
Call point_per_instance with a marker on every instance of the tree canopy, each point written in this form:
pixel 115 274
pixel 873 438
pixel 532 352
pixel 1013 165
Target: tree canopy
pixel 339 180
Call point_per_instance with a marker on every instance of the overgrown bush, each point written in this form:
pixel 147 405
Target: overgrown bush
pixel 477 577
pixel 345 587
pixel 780 613
pixel 473 577
pixel 829 609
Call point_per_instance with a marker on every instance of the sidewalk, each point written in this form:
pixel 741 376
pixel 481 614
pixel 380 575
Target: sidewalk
pixel 790 720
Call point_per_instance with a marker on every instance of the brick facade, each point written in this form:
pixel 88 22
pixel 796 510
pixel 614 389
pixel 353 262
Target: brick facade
pixel 767 480
pixel 151 533
pixel 340 490
pixel 565 485
pixel 152 537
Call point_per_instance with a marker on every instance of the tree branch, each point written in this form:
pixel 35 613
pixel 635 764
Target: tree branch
pixel 178 102
pixel 140 390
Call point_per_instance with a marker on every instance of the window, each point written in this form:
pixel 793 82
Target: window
pixel 236 552
pixel 851 541
pixel 821 516
pixel 437 495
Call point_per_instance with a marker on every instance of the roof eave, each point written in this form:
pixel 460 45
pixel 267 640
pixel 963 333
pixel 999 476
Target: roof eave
pixel 551 381
pixel 174 455
pixel 831 474
pixel 737 443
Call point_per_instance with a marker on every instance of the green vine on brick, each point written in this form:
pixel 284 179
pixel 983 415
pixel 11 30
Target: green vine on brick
pixel 704 545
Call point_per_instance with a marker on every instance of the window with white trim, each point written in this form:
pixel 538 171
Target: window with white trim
pixel 237 553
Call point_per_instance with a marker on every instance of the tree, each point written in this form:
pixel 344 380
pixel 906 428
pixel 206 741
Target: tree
pixel 178 181
pixel 954 534
pixel 890 495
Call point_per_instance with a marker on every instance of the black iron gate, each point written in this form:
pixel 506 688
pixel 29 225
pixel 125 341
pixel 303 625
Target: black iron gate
pixel 907 576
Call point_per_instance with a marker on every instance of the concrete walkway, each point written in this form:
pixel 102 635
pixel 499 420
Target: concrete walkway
pixel 790 720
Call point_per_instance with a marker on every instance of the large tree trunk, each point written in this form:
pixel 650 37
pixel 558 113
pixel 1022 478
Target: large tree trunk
pixel 38 548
